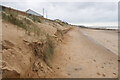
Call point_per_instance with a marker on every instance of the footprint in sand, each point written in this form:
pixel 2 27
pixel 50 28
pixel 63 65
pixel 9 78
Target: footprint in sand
pixel 76 69
pixel 58 68
pixel 103 75
pixel 68 74
pixel 102 67
pixel 114 73
pixel 94 60
pixel 98 73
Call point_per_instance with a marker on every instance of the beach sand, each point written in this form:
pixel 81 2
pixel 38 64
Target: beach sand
pixel 81 56
pixel 106 38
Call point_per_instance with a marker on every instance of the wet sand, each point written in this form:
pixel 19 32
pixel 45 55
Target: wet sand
pixel 106 38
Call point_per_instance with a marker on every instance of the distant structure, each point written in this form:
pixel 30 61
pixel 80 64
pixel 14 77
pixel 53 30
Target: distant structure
pixel 29 11
pixel 60 21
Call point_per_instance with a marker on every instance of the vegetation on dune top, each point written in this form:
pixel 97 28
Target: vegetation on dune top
pixel 12 19
pixel 34 18
pixel 23 23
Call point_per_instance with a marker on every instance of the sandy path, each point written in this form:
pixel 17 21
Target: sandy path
pixel 79 57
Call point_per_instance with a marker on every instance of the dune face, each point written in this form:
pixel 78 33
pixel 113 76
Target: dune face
pixel 28 44
pixel 36 47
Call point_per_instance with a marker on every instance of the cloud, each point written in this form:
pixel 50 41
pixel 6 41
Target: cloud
pixel 85 12
pixel 72 12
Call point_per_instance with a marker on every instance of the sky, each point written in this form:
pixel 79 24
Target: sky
pixel 76 12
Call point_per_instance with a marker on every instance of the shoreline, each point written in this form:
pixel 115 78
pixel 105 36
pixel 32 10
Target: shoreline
pixel 106 38
pixel 97 43
pixel 99 28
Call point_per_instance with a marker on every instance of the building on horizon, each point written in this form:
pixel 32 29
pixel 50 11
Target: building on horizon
pixel 29 11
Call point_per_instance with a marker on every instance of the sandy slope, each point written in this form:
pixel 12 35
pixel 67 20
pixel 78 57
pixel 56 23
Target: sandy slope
pixel 80 57
pixel 18 59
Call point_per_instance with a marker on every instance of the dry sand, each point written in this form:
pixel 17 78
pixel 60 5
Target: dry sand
pixel 80 57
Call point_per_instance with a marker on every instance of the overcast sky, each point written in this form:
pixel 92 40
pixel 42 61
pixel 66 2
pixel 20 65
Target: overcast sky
pixel 80 13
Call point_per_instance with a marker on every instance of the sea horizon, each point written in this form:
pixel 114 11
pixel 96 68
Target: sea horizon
pixel 104 27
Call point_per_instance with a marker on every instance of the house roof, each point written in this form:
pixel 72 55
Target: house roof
pixel 34 12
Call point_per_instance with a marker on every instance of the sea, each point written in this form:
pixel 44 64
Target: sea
pixel 105 27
